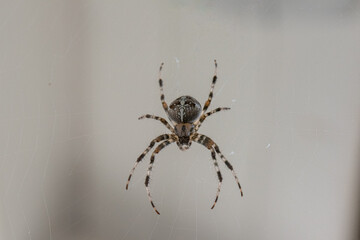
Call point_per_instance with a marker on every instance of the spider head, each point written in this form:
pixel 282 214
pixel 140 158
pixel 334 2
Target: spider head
pixel 184 143
pixel 183 132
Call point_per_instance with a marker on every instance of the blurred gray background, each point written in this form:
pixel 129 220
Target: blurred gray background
pixel 76 75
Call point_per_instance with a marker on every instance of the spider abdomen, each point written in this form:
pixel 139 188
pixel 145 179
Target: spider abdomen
pixel 184 109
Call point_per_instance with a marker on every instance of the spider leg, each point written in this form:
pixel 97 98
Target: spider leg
pixel 213 155
pixel 162 120
pixel 152 143
pixel 208 142
pixel 162 96
pixel 204 116
pixel 208 101
pixel 152 159
pixel 228 164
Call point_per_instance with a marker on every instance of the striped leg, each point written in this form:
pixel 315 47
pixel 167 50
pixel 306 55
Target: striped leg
pixel 207 103
pixel 206 141
pixel 152 143
pixel 162 120
pixel 213 155
pixel 227 163
pixel 218 174
pixel 152 159
pixel 162 96
pixel 204 116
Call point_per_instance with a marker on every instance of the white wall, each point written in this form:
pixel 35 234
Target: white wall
pixel 76 75
pixel 44 103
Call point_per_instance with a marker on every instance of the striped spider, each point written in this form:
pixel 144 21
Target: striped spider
pixel 186 116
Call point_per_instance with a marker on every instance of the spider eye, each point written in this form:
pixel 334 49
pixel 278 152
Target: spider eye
pixel 184 144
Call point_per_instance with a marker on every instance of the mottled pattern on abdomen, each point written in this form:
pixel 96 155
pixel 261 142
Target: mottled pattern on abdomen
pixel 184 109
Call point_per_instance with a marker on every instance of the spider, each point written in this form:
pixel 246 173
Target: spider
pixel 186 116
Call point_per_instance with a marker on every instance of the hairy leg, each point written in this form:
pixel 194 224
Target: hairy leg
pixel 140 158
pixel 208 101
pixel 204 116
pixel 152 160
pixel 162 120
pixel 213 155
pixel 162 96
pixel 209 143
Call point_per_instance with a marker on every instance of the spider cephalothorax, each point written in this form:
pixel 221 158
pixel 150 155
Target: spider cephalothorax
pixel 183 131
pixel 186 115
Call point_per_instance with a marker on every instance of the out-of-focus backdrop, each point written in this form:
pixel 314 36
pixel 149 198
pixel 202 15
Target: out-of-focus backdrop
pixel 76 75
